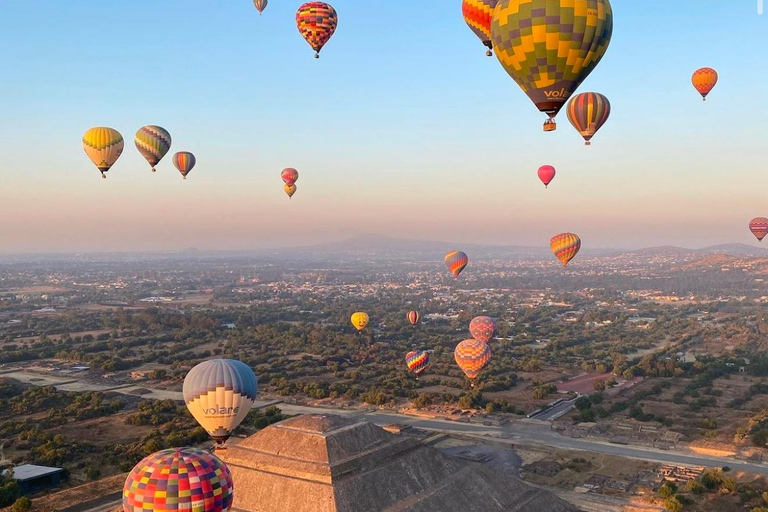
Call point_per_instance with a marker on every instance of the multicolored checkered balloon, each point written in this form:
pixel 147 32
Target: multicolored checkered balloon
pixel 482 328
pixel 317 22
pixel 472 356
pixel 179 479
pixel 550 46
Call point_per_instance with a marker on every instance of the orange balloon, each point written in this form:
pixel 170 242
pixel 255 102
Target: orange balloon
pixel 704 80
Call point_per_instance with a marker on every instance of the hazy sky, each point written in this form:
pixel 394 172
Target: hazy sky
pixel 402 128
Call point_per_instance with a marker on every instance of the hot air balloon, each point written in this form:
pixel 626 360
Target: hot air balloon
pixel 153 142
pixel 587 112
pixel 290 175
pixel 260 5
pixel 413 317
pixel 759 227
pixel 184 162
pixel 219 393
pixel 550 46
pixel 456 261
pixel 103 146
pixel 184 479
pixel 316 22
pixel 477 14
pixel 360 320
pixel 290 190
pixel 472 356
pixel 565 246
pixel 482 328
pixel 417 361
pixel 546 174
pixel 704 80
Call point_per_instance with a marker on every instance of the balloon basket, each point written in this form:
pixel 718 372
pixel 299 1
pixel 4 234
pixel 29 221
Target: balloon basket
pixel 550 126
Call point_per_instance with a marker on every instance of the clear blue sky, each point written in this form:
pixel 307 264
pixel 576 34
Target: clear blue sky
pixel 403 127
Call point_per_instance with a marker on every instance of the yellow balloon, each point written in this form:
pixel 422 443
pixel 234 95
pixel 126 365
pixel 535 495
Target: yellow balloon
pixel 290 190
pixel 103 146
pixel 360 320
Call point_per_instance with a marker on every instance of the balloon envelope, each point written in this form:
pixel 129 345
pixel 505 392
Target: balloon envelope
pixel 260 5
pixel 185 479
pixel 456 261
pixel 413 317
pixel 316 22
pixel 417 361
pixel 290 175
pixel 704 80
pixel 482 328
pixel 472 356
pixel 546 174
pixel 565 246
pixel 550 46
pixel 759 227
pixel 289 189
pixel 184 161
pixel 219 394
pixel 103 146
pixel 153 142
pixel 477 14
pixel 588 112
pixel 360 320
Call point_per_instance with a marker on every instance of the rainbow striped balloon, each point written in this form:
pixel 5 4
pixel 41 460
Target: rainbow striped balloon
pixel 413 317
pixel 704 80
pixel 184 162
pixel 456 261
pixel 482 328
pixel 478 14
pixel 103 146
pixel 472 356
pixel 317 22
pixel 179 479
pixel 417 361
pixel 153 142
pixel 759 227
pixel 588 112
pixel 260 5
pixel 565 246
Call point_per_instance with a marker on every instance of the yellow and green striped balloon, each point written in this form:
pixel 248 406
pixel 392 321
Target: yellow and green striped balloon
pixel 153 142
pixel 550 46
pixel 103 146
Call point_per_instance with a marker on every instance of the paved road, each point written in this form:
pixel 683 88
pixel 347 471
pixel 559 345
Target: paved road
pixel 515 433
pixel 538 434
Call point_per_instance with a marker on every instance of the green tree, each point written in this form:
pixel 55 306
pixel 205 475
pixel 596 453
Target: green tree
pixel 22 504
pixel 599 386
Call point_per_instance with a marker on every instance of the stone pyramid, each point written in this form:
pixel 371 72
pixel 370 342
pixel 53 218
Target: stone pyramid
pixel 326 463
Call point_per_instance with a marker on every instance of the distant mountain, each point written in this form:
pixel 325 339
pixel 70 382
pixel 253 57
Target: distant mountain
pixel 726 249
pixel 383 246
pixel 735 250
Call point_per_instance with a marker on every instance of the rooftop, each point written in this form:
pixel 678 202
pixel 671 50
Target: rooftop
pixel 30 471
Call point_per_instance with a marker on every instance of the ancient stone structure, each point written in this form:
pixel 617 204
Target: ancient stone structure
pixel 325 463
